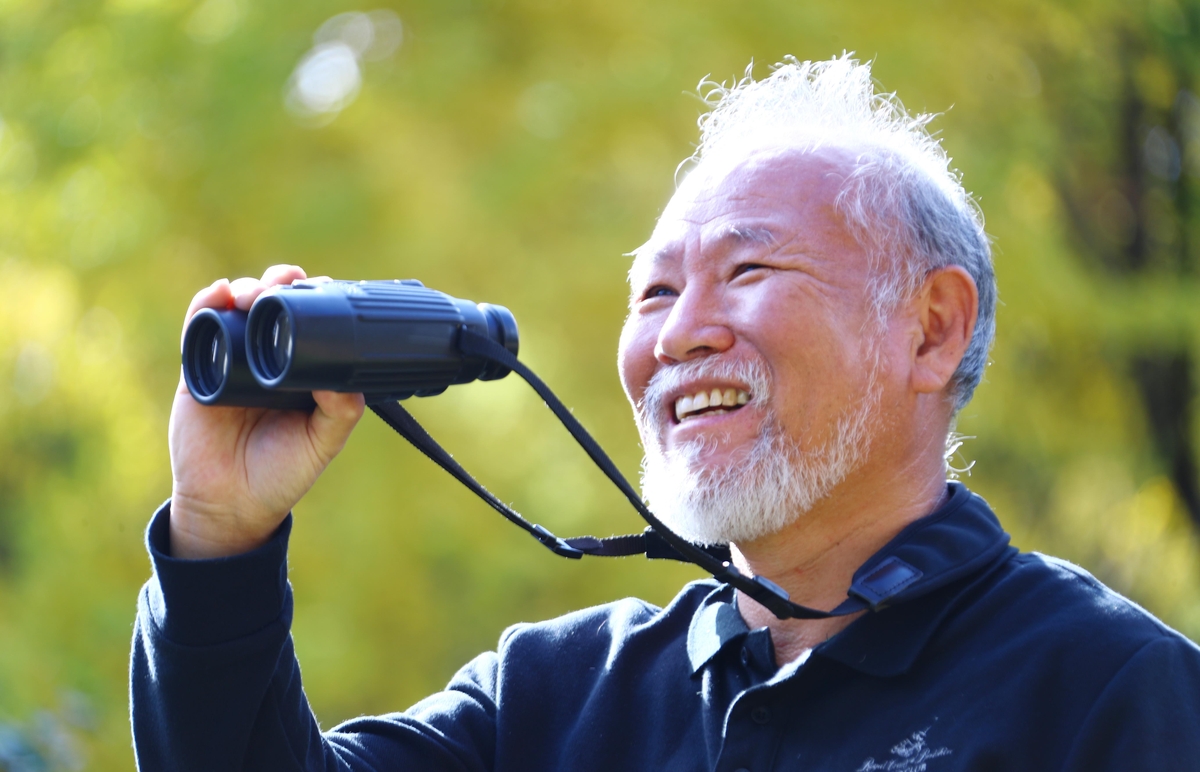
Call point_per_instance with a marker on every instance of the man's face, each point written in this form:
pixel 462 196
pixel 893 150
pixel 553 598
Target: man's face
pixel 751 286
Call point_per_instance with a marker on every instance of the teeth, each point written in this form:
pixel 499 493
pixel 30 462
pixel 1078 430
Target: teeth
pixel 687 405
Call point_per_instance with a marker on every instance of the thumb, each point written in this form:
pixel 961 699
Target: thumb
pixel 330 424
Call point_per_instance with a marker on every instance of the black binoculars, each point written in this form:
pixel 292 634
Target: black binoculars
pixel 389 340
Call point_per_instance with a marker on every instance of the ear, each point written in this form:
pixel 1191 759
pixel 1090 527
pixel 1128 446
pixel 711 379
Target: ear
pixel 946 308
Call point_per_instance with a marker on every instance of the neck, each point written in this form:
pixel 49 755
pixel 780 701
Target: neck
pixel 815 558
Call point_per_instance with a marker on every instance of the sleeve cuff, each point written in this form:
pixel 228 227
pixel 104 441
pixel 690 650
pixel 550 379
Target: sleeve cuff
pixel 207 602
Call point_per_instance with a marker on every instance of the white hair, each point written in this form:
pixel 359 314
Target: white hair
pixel 901 199
pixel 775 481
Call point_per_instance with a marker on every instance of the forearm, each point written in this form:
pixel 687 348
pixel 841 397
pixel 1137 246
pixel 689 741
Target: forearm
pixel 213 677
pixel 215 685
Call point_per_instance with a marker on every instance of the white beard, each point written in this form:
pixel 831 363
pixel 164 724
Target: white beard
pixel 771 485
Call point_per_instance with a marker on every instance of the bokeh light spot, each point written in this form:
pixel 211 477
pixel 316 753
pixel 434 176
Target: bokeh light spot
pixel 33 374
pixel 329 77
pixel 546 109
pixel 213 21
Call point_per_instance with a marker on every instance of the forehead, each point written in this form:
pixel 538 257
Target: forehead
pixel 771 195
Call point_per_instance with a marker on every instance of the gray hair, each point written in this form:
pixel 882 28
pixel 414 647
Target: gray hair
pixel 901 199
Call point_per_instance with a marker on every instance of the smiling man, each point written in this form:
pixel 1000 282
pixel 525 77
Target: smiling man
pixel 814 306
pixel 762 367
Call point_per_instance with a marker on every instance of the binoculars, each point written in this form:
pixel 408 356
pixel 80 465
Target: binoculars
pixel 389 340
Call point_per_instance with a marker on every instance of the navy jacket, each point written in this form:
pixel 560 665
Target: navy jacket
pixel 978 658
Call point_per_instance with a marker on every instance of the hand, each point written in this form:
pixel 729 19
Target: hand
pixel 237 472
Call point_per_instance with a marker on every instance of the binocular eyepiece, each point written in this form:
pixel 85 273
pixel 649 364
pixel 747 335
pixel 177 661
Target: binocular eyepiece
pixel 389 340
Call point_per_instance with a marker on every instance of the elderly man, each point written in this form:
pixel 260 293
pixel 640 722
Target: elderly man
pixel 813 307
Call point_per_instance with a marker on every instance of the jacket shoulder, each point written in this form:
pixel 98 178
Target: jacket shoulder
pixel 610 625
pixel 1054 597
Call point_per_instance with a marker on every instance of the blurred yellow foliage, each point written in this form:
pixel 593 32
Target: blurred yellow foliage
pixel 508 151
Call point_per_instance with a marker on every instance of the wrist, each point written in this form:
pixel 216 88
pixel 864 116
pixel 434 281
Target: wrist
pixel 212 602
pixel 201 530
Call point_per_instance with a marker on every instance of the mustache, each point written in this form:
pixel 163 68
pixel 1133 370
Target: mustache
pixel 669 380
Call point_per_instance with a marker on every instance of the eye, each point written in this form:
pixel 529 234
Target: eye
pixel 659 291
pixel 744 268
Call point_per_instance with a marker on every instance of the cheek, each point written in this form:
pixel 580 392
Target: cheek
pixel 635 357
pixel 818 363
pixel 896 350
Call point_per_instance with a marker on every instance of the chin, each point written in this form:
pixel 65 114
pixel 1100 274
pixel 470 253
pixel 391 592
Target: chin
pixel 708 497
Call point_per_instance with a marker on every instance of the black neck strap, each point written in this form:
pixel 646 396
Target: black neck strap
pixel 657 541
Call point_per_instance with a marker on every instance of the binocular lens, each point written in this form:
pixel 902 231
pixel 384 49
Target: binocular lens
pixel 215 368
pixel 281 342
pixel 210 357
pixel 273 341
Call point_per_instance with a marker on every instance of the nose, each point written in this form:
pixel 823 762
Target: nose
pixel 696 327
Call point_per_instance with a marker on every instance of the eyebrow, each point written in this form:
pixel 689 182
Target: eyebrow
pixel 751 234
pixel 742 234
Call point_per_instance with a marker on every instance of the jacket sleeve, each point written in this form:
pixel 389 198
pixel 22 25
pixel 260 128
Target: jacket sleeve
pixel 214 682
pixel 1148 717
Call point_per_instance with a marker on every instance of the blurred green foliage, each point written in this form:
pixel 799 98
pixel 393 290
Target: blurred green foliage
pixel 511 151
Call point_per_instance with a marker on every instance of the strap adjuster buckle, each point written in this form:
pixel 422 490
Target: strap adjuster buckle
pixel 555 544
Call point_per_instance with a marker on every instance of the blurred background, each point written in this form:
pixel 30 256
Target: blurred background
pixel 511 151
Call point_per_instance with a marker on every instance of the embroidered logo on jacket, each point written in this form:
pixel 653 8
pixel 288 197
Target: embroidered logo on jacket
pixel 908 755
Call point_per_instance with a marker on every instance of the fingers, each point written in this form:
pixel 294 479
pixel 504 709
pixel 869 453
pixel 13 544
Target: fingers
pixel 244 291
pixel 333 420
pixel 247 290
pixel 215 295
pixel 282 274
pixel 240 293
pixel 339 408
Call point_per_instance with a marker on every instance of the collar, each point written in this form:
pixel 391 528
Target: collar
pixel 958 540
pixel 716 623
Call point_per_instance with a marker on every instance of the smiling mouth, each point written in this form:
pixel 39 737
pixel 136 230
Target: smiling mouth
pixel 711 402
